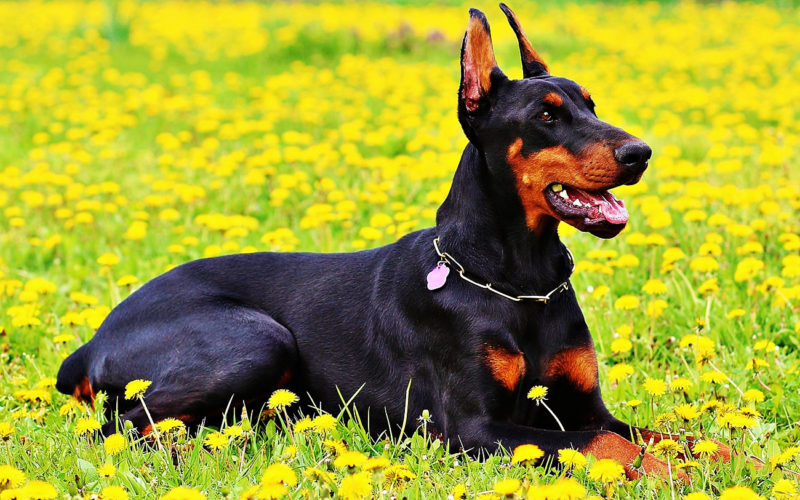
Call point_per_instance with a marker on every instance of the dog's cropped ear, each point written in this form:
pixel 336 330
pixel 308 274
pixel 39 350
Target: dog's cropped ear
pixel 532 64
pixel 478 65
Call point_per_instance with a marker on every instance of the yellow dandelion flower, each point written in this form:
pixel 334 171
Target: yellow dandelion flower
pixel 10 477
pixel 654 287
pixel 705 448
pixel 565 488
pixel 784 489
pixel 136 388
pixel 113 493
pixel 680 384
pixel 86 425
pixel 107 470
pixel 739 493
pixel 753 396
pixel 324 423
pixel 356 486
pixel 349 459
pixel 696 495
pixel 108 259
pixel 376 463
pixel 621 345
pixel 115 443
pixel 263 491
pixel 655 387
pixel 619 372
pixel 127 280
pixel 6 430
pixel 170 426
pixel 607 471
pixel 704 264
pixel 395 475
pixel 337 447
pixel 459 492
pixel 687 412
pixel 303 425
pixel 735 313
pixel 282 398
pixel 627 303
pixel 215 441
pixel 279 473
pixel 714 377
pixel 183 493
pixel 633 403
pixel 233 431
pixel 537 393
pixel 507 487
pixel 666 448
pixel 571 459
pixel 526 453
pixel 39 490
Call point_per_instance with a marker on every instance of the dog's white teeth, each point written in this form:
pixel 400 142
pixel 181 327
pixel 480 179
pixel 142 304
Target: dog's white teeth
pixel 577 203
pixel 600 209
pixel 556 188
pixel 564 194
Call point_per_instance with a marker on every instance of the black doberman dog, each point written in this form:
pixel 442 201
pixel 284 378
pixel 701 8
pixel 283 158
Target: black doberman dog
pixel 236 328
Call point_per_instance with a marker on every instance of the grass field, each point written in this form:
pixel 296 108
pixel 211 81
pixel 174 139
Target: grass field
pixel 137 136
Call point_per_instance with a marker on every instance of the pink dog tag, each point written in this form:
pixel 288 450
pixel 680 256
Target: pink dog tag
pixel 438 277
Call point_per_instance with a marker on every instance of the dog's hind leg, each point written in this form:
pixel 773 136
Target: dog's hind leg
pixel 221 359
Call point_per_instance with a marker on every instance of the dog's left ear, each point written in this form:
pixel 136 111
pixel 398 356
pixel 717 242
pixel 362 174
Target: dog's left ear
pixel 532 64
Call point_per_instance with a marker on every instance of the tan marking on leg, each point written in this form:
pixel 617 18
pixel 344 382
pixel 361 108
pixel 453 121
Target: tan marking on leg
pixel 576 364
pixel 507 367
pixel 84 392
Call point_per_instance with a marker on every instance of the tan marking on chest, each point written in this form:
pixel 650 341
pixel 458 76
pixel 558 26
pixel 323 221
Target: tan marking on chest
pixel 507 367
pixel 577 364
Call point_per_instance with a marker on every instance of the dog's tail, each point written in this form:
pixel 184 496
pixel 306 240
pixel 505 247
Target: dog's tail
pixel 73 379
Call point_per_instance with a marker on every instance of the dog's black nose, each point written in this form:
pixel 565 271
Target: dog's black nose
pixel 633 155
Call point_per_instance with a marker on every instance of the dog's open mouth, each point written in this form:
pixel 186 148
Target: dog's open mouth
pixel 598 212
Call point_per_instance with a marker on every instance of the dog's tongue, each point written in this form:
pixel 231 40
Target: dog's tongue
pixel 608 207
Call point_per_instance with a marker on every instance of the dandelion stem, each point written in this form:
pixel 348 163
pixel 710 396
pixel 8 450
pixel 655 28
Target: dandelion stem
pixel 671 486
pixel 152 424
pixel 554 416
pixel 727 377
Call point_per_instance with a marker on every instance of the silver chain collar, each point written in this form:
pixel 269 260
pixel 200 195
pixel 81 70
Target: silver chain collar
pixel 447 259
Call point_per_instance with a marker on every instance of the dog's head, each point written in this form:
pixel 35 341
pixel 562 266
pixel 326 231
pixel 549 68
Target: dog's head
pixel 541 133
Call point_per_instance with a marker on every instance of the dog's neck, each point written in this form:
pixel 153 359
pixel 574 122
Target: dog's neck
pixel 482 224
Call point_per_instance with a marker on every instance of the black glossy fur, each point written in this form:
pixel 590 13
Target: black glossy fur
pixel 236 328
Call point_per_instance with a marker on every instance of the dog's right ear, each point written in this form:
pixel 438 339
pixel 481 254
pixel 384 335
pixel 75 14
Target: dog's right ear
pixel 478 65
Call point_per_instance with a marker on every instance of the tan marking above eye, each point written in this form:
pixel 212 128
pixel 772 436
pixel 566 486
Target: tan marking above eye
pixel 585 94
pixel 553 99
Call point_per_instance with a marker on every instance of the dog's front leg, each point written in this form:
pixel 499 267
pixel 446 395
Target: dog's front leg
pixel 480 433
pixel 646 436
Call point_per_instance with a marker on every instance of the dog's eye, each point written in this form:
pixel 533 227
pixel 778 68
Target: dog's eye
pixel 546 116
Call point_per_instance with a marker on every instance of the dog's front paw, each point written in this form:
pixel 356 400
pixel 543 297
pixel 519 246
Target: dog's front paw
pixel 636 461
